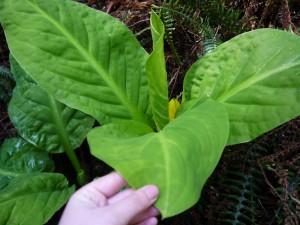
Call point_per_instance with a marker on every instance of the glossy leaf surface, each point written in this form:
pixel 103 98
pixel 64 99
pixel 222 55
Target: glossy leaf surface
pixel 28 195
pixel 18 157
pixel 84 58
pixel 157 75
pixel 33 199
pixel 43 121
pixel 256 76
pixel 179 159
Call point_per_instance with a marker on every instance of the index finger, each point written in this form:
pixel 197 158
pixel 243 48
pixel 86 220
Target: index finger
pixel 109 184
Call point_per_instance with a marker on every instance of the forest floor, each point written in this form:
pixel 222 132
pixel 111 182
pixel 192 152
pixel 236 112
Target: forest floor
pixel 266 172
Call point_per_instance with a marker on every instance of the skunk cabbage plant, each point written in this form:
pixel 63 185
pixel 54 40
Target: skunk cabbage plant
pixel 93 63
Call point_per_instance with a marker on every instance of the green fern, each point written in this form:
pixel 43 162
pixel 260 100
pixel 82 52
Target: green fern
pixel 173 16
pixel 240 202
pixel 168 22
pixel 231 20
pixel 214 13
pixel 186 16
pixel 210 44
pixel 190 3
pixel 240 188
pixel 202 18
pixel 7 84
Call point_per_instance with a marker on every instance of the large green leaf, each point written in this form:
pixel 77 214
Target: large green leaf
pixel 18 157
pixel 256 76
pixel 43 121
pixel 28 195
pixel 157 75
pixel 179 159
pixel 33 199
pixel 83 57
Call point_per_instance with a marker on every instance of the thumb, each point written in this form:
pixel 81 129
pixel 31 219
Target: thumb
pixel 140 200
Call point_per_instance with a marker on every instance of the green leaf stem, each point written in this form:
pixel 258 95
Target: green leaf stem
pixel 45 122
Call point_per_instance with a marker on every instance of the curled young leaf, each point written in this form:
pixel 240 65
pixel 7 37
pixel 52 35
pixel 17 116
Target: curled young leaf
pixel 157 74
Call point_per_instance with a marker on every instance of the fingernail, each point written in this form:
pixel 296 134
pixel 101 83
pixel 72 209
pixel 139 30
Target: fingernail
pixel 151 191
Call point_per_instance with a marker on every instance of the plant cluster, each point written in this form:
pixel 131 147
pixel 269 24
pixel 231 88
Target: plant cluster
pixel 71 71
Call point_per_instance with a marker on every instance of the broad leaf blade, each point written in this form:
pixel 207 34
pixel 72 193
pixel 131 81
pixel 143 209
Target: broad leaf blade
pixel 256 76
pixel 43 121
pixel 157 75
pixel 179 159
pixel 18 157
pixel 28 195
pixel 83 57
pixel 33 199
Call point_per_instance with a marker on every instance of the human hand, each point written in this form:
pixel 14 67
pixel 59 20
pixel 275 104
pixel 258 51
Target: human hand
pixel 101 203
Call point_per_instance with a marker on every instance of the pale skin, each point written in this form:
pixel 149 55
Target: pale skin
pixel 101 203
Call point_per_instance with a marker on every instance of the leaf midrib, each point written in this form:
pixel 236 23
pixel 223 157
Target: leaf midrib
pixel 34 193
pixel 136 114
pixel 59 124
pixel 166 159
pixel 251 81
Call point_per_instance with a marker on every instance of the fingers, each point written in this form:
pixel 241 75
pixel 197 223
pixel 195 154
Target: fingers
pixel 141 218
pixel 101 200
pixel 97 193
pixel 108 185
pixel 136 203
pixel 120 196
pixel 148 213
pixel 150 221
pixel 151 212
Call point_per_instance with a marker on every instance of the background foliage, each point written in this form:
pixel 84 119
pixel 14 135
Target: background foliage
pixel 254 183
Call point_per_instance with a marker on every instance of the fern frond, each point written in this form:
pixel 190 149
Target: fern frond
pixel 210 44
pixel 168 22
pixel 189 18
pixel 241 186
pixel 173 15
pixel 220 14
pixel 6 84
